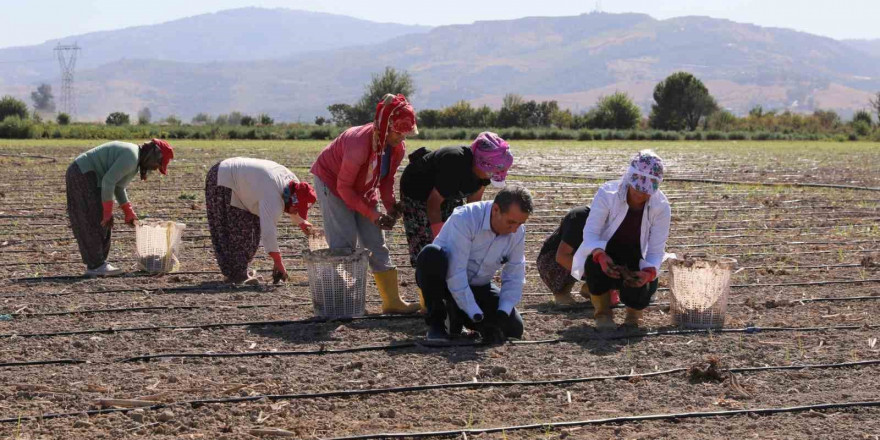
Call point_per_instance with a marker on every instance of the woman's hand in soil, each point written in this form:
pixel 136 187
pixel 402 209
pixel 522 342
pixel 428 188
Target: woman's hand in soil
pixel 130 217
pixel 645 276
pixel 606 263
pixel 307 228
pixel 279 273
pixel 385 222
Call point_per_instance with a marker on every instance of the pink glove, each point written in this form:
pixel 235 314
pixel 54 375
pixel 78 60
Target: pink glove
pixel 107 216
pixel 130 216
pixel 435 228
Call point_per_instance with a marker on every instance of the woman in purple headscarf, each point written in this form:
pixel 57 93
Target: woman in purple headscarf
pixel 624 240
pixel 436 182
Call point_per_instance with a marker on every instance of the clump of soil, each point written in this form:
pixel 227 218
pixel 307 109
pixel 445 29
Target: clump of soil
pixel 630 279
pixel 868 261
pixel 709 371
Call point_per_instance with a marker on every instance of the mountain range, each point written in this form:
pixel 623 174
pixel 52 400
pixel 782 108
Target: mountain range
pixel 293 64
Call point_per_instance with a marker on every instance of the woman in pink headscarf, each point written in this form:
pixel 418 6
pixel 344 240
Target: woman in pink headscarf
pixel 436 182
pixel 352 174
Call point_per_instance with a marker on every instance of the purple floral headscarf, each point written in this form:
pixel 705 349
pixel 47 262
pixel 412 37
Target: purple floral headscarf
pixel 645 172
pixel 492 155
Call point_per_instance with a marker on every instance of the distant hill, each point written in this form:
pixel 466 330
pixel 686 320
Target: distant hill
pixel 232 35
pixel 571 59
pixel 871 47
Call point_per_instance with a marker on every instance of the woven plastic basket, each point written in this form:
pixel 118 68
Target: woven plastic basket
pixel 337 281
pixel 158 246
pixel 700 287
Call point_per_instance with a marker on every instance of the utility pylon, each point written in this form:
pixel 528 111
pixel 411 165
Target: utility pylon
pixel 67 60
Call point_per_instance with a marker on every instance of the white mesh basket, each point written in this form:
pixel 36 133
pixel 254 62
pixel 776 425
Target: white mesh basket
pixel 337 281
pixel 700 288
pixel 158 245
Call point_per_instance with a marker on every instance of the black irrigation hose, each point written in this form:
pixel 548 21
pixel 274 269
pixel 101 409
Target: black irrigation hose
pixel 616 420
pixel 49 362
pixel 397 346
pixel 454 385
pixel 206 326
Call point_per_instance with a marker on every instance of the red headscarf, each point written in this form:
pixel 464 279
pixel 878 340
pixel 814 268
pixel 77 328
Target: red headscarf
pixel 395 114
pixel 167 154
pixel 302 195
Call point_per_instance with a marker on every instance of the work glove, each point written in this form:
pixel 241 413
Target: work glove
pixel 385 222
pixel 606 263
pixel 130 217
pixel 107 215
pixel 279 273
pixel 435 228
pixel 645 276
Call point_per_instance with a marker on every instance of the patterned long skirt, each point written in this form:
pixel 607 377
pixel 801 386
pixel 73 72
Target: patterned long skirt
pixel 417 225
pixel 84 210
pixel 557 278
pixel 235 233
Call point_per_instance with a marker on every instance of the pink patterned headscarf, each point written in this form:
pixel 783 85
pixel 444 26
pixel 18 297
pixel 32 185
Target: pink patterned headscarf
pixel 645 172
pixel 492 155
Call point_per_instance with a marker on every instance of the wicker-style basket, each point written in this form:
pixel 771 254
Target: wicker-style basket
pixel 337 281
pixel 700 287
pixel 158 245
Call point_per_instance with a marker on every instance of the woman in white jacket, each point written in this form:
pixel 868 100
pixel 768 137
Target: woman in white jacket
pixel 625 240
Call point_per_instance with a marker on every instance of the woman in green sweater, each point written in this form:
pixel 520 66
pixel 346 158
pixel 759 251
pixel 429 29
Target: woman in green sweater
pixel 94 179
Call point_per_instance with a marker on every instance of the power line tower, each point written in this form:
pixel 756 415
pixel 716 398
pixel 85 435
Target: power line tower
pixel 598 8
pixel 67 60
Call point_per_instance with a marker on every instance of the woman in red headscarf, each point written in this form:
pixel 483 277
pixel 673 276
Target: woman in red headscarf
pixel 245 198
pixel 352 174
pixel 94 180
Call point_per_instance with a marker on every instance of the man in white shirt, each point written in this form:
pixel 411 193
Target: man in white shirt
pixel 455 272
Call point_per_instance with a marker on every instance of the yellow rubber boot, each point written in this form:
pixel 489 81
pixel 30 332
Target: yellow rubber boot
pixel 603 314
pixel 386 282
pixel 422 307
pixel 633 317
pixel 585 292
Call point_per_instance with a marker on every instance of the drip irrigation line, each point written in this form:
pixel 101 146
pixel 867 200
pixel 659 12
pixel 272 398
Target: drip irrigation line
pixel 154 308
pixel 48 362
pixel 429 387
pixel 615 420
pixel 402 345
pixel 377 317
pixel 209 326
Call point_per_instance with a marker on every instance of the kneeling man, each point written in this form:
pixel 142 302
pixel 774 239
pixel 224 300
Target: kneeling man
pixel 455 272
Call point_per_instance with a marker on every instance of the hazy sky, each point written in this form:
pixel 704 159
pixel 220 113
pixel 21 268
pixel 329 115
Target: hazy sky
pixel 35 21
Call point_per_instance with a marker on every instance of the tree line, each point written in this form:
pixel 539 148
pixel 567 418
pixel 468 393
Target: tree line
pixel 682 103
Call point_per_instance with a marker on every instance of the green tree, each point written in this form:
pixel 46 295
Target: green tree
pixel 10 106
pixel 875 104
pixel 144 116
pixel 680 102
pixel 234 118
pixel 265 119
pixel 341 114
pixel 172 120
pixel 390 81
pixel 512 109
pixel 202 119
pixel 864 116
pixel 828 119
pixel 248 121
pixel 43 99
pixel 63 118
pixel 320 121
pixel 460 114
pixel 117 118
pixel 428 118
pixel 617 111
